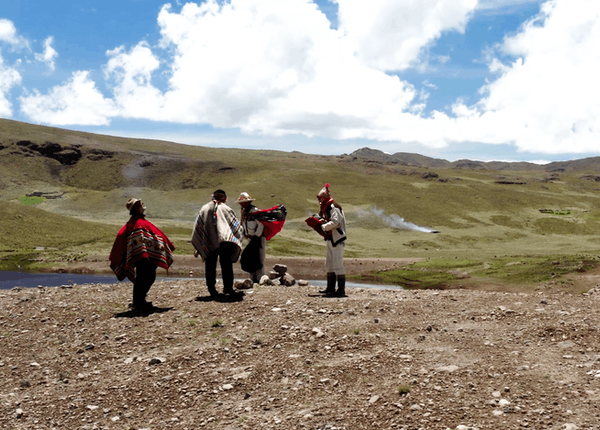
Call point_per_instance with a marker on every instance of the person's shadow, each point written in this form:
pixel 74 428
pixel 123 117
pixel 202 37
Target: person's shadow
pixel 135 313
pixel 222 298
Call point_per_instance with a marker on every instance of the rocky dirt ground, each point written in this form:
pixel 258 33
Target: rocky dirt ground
pixel 73 357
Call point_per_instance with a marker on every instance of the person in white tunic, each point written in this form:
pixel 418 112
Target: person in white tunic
pixel 253 231
pixel 335 235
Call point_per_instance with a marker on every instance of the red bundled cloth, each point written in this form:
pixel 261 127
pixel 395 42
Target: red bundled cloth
pixel 316 224
pixel 272 218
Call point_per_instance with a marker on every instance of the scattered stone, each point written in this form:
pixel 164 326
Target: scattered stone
pixel 265 280
pixel 154 361
pixel 448 369
pixel 373 399
pixel 242 376
pixel 280 268
pixel 302 283
pixel 288 280
pixel 19 413
pixel 246 284
pixel 318 332
pixel 227 387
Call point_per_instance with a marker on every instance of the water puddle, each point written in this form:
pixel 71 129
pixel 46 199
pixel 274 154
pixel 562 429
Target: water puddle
pixel 10 279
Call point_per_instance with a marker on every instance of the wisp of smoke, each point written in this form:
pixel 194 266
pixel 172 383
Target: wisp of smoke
pixel 396 221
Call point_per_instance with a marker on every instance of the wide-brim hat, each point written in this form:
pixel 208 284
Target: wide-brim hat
pixel 244 198
pixel 131 203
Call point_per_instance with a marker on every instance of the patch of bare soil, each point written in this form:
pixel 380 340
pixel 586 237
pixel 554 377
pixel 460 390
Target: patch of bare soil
pixel 287 358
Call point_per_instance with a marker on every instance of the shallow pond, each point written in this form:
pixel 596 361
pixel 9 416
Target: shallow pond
pixel 9 280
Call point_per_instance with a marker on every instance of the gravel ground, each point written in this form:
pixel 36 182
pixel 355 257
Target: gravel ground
pixel 74 357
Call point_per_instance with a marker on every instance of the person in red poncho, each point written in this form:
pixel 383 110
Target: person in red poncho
pixel 139 248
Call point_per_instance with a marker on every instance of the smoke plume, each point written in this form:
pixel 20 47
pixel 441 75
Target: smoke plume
pixel 396 221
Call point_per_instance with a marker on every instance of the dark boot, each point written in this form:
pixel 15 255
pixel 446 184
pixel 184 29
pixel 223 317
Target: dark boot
pixel 341 291
pixel 330 284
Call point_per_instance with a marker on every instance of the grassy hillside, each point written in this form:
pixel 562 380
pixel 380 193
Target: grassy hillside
pixel 481 212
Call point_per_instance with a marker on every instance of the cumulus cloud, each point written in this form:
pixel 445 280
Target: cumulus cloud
pixel 273 67
pixel 546 97
pixel 131 73
pixel 391 35
pixel 9 77
pixel 49 54
pixel 8 34
pixel 278 68
pixel 78 101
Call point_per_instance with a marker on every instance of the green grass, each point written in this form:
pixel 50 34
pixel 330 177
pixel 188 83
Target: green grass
pixel 403 390
pixel 527 270
pixel 482 224
pixel 217 323
pixel 26 200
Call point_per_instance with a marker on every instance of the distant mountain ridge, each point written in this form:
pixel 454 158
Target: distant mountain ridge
pixel 66 145
pixel 410 159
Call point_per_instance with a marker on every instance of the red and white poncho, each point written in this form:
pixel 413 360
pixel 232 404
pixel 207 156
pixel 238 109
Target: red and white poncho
pixel 138 239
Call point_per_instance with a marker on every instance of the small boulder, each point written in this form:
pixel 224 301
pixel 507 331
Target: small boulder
pixel 288 280
pixel 246 284
pixel 280 268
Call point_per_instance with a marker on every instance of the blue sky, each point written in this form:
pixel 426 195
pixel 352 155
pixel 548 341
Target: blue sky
pixel 486 80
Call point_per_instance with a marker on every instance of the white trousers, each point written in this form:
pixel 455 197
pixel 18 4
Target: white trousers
pixel 335 258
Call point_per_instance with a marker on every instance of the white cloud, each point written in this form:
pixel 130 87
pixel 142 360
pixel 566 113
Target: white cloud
pixel 49 54
pixel 78 101
pixel 8 34
pixel 9 77
pixel 272 67
pixel 547 98
pixel 278 68
pixel 133 92
pixel 392 34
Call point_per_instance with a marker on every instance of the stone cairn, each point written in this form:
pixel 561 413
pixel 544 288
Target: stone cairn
pixel 279 276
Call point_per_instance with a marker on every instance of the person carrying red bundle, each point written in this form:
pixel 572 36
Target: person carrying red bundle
pixel 331 224
pixel 259 226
